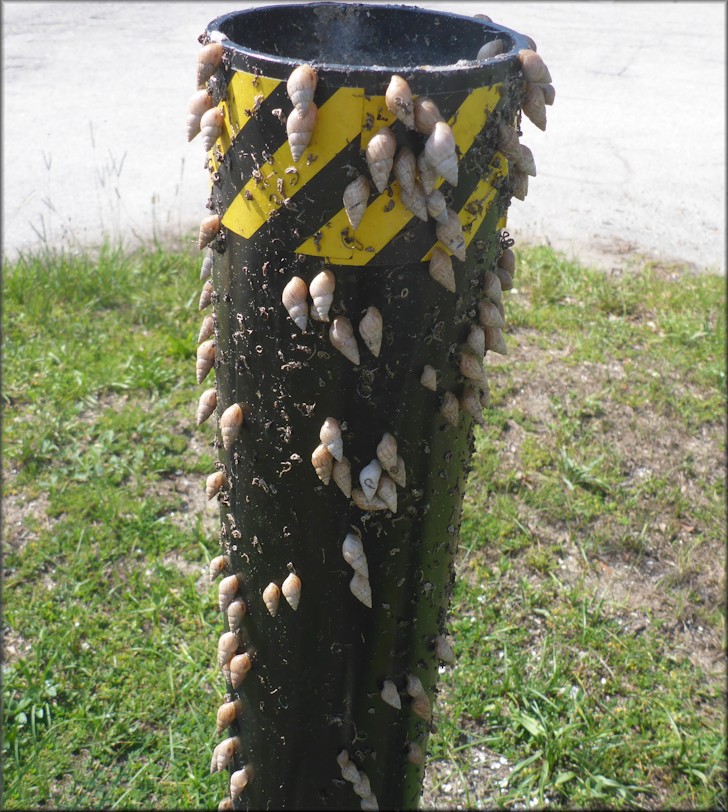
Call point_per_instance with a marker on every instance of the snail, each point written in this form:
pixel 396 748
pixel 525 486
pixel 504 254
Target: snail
pixel 227 713
pixel 508 142
pixel 206 405
pixel 443 649
pixel 471 368
pixel 426 174
pixel 355 199
pixel 211 125
pixel 494 340
pixel 387 451
pixel 398 472
pixel 520 185
pixel 227 591
pixel 342 475
pixel 549 93
pixel 534 105
pixel 214 484
pixel 415 201
pixel 323 463
pixel 291 589
pixel 405 169
pixel 470 404
pixel 205 295
pixel 200 103
pixel 361 589
pixel 295 301
pixel 451 236
pixel 330 436
pixel 380 157
pixel 429 378
pixel 206 269
pixel 209 227
pixel 420 703
pixel 271 598
pixel 414 754
pixel 235 614
pixel 507 261
pixel 209 60
pixel 437 206
pixel 321 290
pixel 398 98
pixel 440 152
pixel 353 551
pixel 426 115
pixel 489 315
pixel 239 667
pixel 533 67
pixel 239 780
pixel 490 49
pixel 300 130
pixel 492 287
pixel 525 162
pixel 218 565
pixel 370 329
pixel 390 694
pixel 387 492
pixel 441 269
pixel 363 787
pixel 341 335
pixel 301 86
pixel 225 804
pixel 505 278
pixel 224 753
pixel 476 341
pixel 360 500
pixel 230 422
pixel 207 328
pixel 226 648
pixel 369 478
pixel 450 409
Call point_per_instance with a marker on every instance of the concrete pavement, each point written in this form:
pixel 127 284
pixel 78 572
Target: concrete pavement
pixel 632 162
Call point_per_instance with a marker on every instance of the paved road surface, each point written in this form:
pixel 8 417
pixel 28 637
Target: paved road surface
pixel 633 159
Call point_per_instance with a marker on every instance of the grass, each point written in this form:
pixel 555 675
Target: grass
pixel 587 614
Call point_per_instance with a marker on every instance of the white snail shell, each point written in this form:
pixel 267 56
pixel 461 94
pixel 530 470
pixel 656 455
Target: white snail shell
pixel 342 758
pixel 414 754
pixel 489 315
pixel 492 287
pixel 508 142
pixel 490 49
pixel 420 702
pixel 330 436
pixel 360 500
pixel 387 451
pixel 398 98
pixel 441 269
pixel 200 102
pixel 520 184
pixel 214 484
pixel 205 295
pixel 271 598
pixel 426 174
pixel 533 67
pixel 349 772
pixel 370 329
pixel 369 478
pixel 353 551
pixel 390 694
pixel 470 404
pixel 206 269
pixel 301 86
pixel 451 236
pixel 476 340
pixel 440 152
pixel 534 105
pixel 226 647
pixel 207 328
pixel 450 409
pixel 231 421
pixel 380 157
pixel 224 753
pixel 291 589
pixel 239 667
pixel 426 114
pixel 341 335
pixel 322 292
pixel 355 199
pixel 235 614
pixel 206 406
pixel 444 650
pixel 416 201
pixel 405 169
pixel 361 589
pixel 471 368
pixel 295 301
pixel 437 206
pixel 387 492
pixel 209 60
pixel 227 591
pixel 239 780
pixel 218 565
pixel 342 476
pixel 209 227
pixel 300 130
pixel 362 787
pixel 429 378
pixel 494 340
pixel 323 463
pixel 227 713
pixel 211 125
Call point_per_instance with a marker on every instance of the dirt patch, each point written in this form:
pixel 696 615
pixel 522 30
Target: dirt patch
pixel 18 530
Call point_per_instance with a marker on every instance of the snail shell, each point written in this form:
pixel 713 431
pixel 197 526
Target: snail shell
pixel 533 67
pixel 342 758
pixel 291 589
pixel 520 185
pixel 330 436
pixel 490 49
pixel 451 236
pixel 235 614
pixel 300 129
pixel 353 551
pixel 476 341
pixel 224 753
pixel 360 500
pixel 205 359
pixel 437 206
pixel 323 463
pixel 399 472
pixel 507 261
pixel 301 86
pixel 205 295
pixel 214 484
pixel 227 713
pixel 206 329
pixel 420 703
pixel 508 142
pixel 416 201
pixel 341 335
pixel 271 598
pixel 470 404
pixel 494 340
pixel 492 288
pixel 355 199
pixel 380 157
pixel 429 378
pixel 443 649
pixel 450 409
pixel 349 772
pixel 209 227
pixel 549 93
pixel 227 591
pixel 387 451
pixel 525 163
pixel 239 667
pixel 398 99
pixel 211 125
pixel 295 301
pixel 482 17
pixel 200 103
pixel 370 329
pixel 206 405
pixel 369 478
pixel 405 169
pixel 471 368
pixel 489 315
pixel 226 647
pixel 225 804
pixel 506 279
pixel 440 152
pixel 390 694
pixel 342 476
pixel 209 60
pixel 534 106
pixel 426 115
pixel 414 754
pixel 230 422
pixel 369 803
pixel 387 492
pixel 322 292
pixel 361 589
pixel 239 780
pixel 362 787
pixel 218 565
pixel 441 270
pixel 206 269
pixel 426 174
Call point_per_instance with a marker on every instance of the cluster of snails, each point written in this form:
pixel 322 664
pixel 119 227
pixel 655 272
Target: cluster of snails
pixel 300 124
pixel 290 589
pixel 420 702
pixel 353 551
pixel 358 779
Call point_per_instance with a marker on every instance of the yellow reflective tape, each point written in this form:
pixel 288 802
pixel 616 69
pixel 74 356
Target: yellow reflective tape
pixel 472 115
pixel 276 182
pixel 502 223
